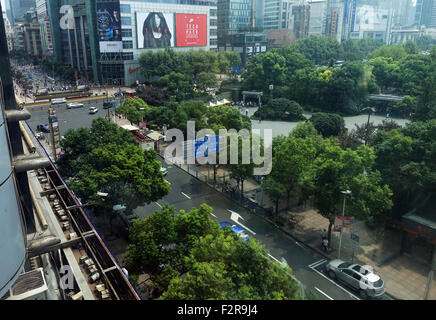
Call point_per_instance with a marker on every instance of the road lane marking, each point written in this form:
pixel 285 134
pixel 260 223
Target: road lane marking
pixel 273 258
pixel 298 244
pixel 324 293
pixel 158 204
pixel 348 292
pixel 235 217
pixel 186 195
pixel 317 263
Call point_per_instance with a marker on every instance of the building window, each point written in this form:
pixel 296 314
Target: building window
pixel 127 55
pixel 128 44
pixel 213 12
pixel 125 8
pixel 213 42
pixel 126 33
pixel 127 21
pixel 212 22
pixel 285 5
pixel 213 32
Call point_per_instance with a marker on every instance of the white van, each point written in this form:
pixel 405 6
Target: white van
pixel 59 101
pixel 74 105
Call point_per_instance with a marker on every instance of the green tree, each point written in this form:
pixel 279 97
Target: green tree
pixel 179 84
pixel 104 158
pixel 425 42
pixel 280 109
pixel 206 80
pixel 134 109
pixel 319 49
pixel 336 170
pixel 328 124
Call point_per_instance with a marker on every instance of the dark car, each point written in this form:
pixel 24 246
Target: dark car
pixel 43 128
pixel 107 105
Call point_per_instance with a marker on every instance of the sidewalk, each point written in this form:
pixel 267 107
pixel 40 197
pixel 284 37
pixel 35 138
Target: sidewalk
pixel 405 277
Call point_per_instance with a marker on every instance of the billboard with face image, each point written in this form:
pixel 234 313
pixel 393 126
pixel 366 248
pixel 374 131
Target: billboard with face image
pixel 155 30
pixel 109 27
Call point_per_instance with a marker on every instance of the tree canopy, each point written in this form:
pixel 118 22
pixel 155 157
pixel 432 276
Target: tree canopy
pixel 188 256
pixel 105 159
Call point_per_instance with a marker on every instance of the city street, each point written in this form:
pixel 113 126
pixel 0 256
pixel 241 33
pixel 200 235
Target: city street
pixel 308 266
pixel 68 118
pixel 187 192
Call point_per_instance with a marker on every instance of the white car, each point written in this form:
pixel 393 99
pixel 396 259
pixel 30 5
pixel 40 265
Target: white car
pixel 362 278
pixel 93 110
pixel 59 101
pixel 74 105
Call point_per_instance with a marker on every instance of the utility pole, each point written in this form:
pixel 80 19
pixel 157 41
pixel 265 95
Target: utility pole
pixel 345 193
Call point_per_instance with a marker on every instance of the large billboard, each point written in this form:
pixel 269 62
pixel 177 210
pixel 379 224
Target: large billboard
pixel 155 29
pixel 191 30
pixel 109 27
pixel 369 18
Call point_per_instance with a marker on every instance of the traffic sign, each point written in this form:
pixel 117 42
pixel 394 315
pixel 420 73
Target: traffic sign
pixel 354 237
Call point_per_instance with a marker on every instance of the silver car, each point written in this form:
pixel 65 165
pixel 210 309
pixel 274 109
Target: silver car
pixel 362 278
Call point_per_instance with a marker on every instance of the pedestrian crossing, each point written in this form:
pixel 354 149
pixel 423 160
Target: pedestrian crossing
pixel 317 263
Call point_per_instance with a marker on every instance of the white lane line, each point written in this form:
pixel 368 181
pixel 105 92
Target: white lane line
pixel 324 293
pixel 322 275
pixel 273 258
pixel 298 244
pixel 317 263
pixel 213 215
pixel 186 195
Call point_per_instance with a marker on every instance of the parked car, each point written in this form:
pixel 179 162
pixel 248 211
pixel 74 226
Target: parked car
pixel 43 128
pixel 93 110
pixel 236 229
pixel 362 278
pixel 74 105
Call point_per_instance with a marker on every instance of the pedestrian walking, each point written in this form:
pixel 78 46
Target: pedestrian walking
pixel 324 234
pixel 325 244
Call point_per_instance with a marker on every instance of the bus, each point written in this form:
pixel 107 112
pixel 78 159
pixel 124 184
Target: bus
pixel 80 92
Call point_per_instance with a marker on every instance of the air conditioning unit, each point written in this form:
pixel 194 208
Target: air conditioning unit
pixel 29 286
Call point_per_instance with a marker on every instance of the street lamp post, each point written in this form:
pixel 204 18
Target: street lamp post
pixel 345 193
pixel 370 110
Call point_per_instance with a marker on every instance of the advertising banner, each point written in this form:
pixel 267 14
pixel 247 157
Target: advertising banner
pixel 191 30
pixel 338 224
pixel 155 29
pixel 109 27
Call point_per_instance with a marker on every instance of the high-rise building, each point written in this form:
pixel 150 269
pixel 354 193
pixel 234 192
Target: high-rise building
pixel 45 27
pixel 425 13
pixel 149 25
pixel 234 16
pixel 278 14
pixel 317 17
pixel 301 15
pixel 21 7
pixel 335 18
pixel 9 32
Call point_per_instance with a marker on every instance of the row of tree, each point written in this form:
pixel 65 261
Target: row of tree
pixel 307 74
pixel 189 73
pixel 105 159
pixel 187 256
pixel 176 115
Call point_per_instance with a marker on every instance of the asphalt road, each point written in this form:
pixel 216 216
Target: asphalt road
pixel 68 118
pixel 307 264
pixel 187 192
